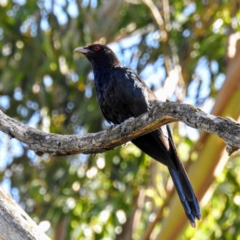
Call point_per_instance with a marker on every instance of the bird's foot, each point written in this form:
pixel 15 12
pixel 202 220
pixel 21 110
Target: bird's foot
pixel 110 129
pixel 124 128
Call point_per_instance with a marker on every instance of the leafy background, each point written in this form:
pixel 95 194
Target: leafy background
pixel 186 51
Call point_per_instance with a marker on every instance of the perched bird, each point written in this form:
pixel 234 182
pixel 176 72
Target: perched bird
pixel 122 94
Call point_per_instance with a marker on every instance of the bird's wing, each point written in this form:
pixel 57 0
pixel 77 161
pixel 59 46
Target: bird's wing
pixel 131 91
pixel 135 94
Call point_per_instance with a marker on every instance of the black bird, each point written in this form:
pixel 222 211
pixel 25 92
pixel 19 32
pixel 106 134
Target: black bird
pixel 122 94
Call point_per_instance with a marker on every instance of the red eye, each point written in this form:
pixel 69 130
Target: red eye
pixel 96 48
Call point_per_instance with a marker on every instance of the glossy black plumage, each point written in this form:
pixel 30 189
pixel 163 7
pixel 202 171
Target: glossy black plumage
pixel 122 94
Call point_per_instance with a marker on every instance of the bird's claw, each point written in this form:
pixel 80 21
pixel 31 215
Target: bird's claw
pixel 110 129
pixel 124 127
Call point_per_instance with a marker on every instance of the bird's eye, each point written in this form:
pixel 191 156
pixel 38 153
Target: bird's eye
pixel 96 48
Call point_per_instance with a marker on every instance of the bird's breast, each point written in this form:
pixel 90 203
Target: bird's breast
pixel 113 108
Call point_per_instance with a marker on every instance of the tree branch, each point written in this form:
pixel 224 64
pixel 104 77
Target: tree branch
pixel 15 223
pixel 159 115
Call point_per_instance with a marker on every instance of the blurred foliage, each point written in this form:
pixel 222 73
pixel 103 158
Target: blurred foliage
pixel 116 194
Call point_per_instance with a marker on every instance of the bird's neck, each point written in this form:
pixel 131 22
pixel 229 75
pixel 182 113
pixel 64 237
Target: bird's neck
pixel 102 70
pixel 99 63
pixel 102 76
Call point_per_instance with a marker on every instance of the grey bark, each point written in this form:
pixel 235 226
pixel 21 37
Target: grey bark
pixel 159 114
pixel 15 224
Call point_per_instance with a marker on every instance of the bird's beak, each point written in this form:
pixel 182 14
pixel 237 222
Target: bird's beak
pixel 82 50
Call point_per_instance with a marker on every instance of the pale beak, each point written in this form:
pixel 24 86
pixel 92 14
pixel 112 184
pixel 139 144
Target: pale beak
pixel 82 50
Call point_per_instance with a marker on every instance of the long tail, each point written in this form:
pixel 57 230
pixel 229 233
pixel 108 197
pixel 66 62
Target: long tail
pixel 186 194
pixel 163 149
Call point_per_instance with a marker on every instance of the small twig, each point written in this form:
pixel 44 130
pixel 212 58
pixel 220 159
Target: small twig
pixel 158 18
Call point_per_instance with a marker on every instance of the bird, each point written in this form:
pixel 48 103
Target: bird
pixel 121 95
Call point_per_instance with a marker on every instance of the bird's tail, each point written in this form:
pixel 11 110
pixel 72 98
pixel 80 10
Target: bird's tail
pixel 186 194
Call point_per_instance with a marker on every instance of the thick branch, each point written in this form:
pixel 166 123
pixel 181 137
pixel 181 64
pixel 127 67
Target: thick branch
pixel 160 114
pixel 15 223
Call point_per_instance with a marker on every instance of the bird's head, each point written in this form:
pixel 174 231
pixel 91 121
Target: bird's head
pixel 99 55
